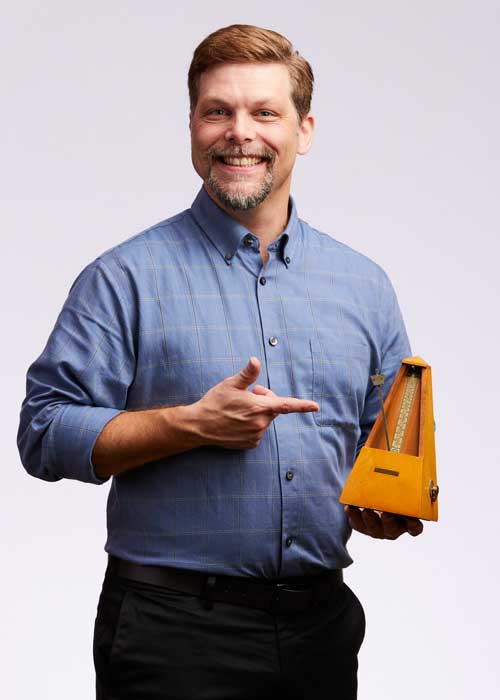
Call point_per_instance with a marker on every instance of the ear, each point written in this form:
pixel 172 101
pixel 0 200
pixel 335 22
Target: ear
pixel 306 131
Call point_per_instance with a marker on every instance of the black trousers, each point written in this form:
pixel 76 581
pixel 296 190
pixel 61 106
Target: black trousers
pixel 155 644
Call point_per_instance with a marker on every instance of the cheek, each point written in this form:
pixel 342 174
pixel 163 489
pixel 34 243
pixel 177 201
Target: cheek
pixel 207 137
pixel 286 156
pixel 284 144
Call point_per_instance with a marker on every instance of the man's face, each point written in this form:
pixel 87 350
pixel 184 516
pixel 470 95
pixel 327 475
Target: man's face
pixel 245 133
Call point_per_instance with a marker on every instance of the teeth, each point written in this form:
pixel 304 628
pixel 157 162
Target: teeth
pixel 242 162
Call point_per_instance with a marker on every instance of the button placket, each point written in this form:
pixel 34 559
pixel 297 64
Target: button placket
pixel 275 348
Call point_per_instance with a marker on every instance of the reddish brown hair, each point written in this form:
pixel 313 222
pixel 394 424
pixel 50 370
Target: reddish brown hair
pixel 244 43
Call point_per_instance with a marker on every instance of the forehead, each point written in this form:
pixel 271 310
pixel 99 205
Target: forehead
pixel 246 82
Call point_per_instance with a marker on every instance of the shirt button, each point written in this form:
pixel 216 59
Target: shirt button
pixel 248 240
pixel 289 541
pixel 262 281
pixel 288 260
pixel 289 476
pixel 228 256
pixel 273 341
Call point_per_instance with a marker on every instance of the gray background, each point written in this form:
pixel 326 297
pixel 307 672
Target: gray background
pixel 404 168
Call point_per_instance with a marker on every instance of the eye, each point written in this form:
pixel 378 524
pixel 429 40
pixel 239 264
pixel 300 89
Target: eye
pixel 266 113
pixel 217 112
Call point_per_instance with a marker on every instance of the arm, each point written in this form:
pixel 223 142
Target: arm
pixel 137 437
pixel 81 380
pixel 227 416
pixel 73 420
pixel 74 423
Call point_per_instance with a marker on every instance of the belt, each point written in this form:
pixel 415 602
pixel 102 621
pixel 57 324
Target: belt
pixel 278 596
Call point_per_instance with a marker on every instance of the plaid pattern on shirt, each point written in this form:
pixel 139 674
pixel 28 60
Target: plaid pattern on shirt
pixel 161 318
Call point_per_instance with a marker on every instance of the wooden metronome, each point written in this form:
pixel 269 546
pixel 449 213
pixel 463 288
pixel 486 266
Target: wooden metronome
pixel 398 474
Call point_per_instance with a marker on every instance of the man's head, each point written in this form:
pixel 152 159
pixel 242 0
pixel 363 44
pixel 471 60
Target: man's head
pixel 250 95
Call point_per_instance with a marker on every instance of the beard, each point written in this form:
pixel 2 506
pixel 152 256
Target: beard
pixel 234 195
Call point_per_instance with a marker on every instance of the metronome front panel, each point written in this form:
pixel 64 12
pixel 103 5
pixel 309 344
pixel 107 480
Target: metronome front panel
pixel 386 481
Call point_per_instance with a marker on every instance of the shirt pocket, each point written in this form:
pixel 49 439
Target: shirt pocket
pixel 335 387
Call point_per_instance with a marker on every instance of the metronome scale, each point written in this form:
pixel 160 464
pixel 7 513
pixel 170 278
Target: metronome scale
pixel 395 471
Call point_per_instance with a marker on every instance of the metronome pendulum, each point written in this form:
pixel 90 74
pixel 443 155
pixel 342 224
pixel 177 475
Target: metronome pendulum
pixel 411 385
pixel 412 380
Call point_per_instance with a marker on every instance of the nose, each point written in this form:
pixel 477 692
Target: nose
pixel 240 129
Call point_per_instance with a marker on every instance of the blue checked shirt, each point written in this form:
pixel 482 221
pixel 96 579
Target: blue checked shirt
pixel 161 318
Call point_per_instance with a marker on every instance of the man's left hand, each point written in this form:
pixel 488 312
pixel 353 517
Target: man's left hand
pixel 382 526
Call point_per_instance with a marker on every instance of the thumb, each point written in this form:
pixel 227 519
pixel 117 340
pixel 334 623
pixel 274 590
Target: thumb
pixel 247 375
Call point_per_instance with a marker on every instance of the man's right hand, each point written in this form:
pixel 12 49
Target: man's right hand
pixel 230 416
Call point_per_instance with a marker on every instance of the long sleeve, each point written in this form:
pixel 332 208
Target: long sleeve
pixel 394 346
pixel 81 379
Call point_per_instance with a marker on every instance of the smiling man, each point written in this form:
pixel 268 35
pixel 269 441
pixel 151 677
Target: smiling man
pixel 217 367
pixel 246 134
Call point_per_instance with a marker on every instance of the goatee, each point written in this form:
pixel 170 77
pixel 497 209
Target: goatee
pixel 233 197
pixel 240 201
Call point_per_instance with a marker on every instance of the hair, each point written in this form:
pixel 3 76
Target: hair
pixel 244 43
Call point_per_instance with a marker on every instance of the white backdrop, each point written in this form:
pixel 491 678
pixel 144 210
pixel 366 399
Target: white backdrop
pixel 404 168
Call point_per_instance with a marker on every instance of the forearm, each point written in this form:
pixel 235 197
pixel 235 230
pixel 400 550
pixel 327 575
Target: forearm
pixel 134 438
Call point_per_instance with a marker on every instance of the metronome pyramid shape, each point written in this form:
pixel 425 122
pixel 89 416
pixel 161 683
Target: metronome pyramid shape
pixel 401 479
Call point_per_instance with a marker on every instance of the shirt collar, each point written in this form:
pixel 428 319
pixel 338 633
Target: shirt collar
pixel 226 233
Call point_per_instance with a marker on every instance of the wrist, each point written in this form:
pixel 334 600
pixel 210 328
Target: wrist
pixel 185 420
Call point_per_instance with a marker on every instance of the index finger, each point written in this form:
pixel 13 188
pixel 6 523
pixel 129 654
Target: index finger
pixel 287 404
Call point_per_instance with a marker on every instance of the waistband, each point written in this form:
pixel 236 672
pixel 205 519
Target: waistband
pixel 278 596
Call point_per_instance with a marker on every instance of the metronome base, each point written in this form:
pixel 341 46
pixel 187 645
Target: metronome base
pixel 391 482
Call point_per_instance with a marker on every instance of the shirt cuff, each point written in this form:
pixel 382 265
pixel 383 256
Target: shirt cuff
pixel 71 439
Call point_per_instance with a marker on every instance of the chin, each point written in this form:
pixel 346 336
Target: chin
pixel 239 199
pixel 237 196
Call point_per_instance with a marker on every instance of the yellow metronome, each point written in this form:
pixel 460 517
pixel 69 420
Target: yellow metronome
pixel 398 475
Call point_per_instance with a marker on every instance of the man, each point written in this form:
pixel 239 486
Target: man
pixel 217 366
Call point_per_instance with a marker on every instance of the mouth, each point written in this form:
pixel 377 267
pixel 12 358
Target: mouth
pixel 242 164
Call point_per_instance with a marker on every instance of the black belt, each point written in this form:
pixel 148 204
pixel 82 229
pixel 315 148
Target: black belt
pixel 274 595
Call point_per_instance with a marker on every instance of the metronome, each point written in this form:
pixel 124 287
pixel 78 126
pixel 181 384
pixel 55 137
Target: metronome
pixel 395 471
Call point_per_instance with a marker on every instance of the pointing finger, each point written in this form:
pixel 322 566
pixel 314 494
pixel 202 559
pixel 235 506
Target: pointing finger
pixel 290 405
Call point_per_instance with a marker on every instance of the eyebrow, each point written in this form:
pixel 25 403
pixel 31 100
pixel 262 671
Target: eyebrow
pixel 220 101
